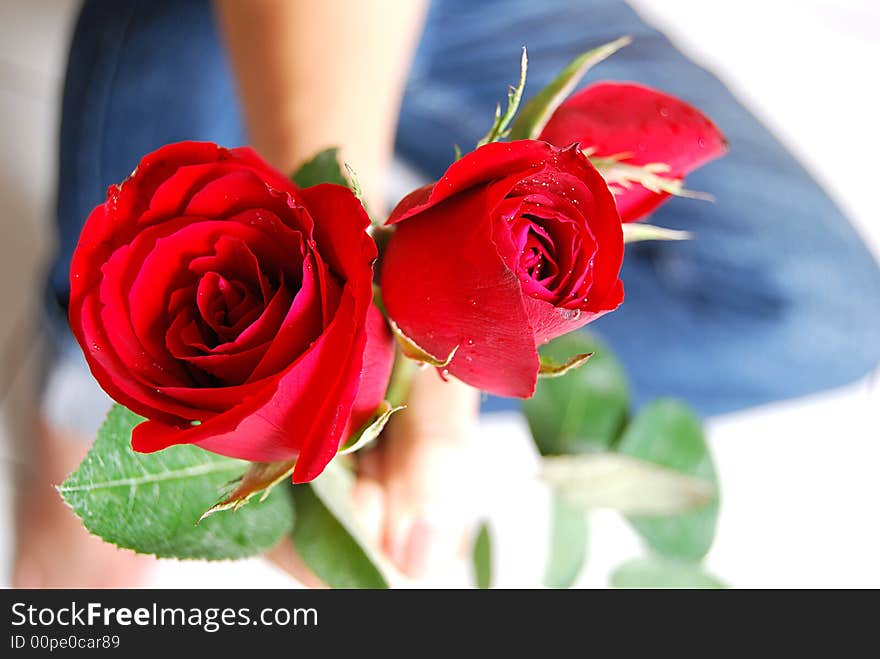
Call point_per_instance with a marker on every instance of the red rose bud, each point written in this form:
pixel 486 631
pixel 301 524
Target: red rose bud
pixel 516 244
pixel 208 288
pixel 638 126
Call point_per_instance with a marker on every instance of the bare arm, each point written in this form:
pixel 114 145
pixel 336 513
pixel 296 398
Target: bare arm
pixel 319 73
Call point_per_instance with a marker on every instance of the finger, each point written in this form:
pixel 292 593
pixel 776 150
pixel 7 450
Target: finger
pixel 285 556
pixel 368 502
pixel 370 463
pixel 426 459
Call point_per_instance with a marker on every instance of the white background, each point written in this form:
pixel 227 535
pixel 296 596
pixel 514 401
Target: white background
pixel 799 480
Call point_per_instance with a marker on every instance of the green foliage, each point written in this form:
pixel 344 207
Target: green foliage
pixel 327 536
pixel 667 433
pixel 657 572
pixel 584 410
pixel 324 167
pixel 539 109
pixel 482 557
pixel 499 129
pixel 623 483
pixel 152 503
pixel 568 545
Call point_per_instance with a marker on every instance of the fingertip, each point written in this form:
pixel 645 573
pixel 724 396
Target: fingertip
pixel 368 501
pixel 285 556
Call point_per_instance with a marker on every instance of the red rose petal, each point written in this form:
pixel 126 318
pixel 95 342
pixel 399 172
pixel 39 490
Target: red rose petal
pixel 378 361
pixel 197 219
pixel 616 118
pixel 445 286
pixel 488 163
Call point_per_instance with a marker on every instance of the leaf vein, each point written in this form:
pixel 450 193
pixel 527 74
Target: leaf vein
pixel 195 470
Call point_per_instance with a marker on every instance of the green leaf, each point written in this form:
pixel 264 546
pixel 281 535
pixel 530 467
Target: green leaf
pixel 538 110
pixel 624 483
pixel 568 545
pixel 667 433
pixel 371 431
pixel 499 129
pixel 152 503
pixel 482 557
pixel 657 572
pixel 322 168
pixel 635 232
pixel 586 409
pixel 328 538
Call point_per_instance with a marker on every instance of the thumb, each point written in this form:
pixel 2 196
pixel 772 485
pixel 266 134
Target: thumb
pixel 427 462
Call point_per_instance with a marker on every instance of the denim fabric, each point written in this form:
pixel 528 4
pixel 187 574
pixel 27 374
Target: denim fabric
pixel 776 297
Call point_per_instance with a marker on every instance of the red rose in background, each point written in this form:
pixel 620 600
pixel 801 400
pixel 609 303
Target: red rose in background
pixel 611 119
pixel 209 289
pixel 516 244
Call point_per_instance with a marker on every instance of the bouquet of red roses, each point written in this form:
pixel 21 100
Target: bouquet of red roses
pixel 254 328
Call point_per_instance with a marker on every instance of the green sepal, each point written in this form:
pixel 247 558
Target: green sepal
pixel 537 112
pixel 500 126
pixel 550 368
pixel 371 430
pixel 414 351
pixel 635 232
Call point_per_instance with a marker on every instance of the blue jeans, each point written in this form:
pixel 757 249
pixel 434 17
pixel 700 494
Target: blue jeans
pixel 776 297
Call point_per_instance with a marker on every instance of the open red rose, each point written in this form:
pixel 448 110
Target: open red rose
pixel 643 125
pixel 209 289
pixel 516 244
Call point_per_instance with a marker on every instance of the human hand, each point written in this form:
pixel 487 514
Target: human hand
pixel 413 495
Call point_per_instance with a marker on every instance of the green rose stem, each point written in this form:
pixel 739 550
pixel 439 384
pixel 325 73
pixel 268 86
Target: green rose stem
pixel 401 378
pixel 404 368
